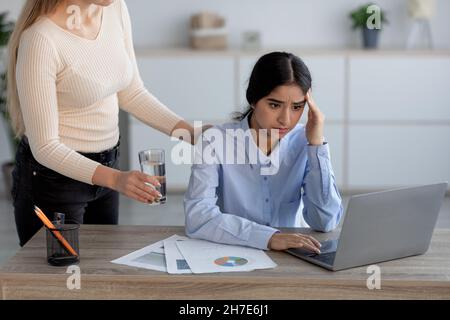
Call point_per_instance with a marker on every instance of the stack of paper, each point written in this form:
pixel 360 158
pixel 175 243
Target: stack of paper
pixel 178 254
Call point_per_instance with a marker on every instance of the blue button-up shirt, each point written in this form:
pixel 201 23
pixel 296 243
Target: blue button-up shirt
pixel 242 202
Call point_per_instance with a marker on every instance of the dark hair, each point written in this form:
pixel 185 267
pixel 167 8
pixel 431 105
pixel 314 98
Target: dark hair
pixel 272 70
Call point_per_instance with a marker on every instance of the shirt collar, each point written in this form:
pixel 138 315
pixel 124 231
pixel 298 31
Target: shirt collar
pixel 277 154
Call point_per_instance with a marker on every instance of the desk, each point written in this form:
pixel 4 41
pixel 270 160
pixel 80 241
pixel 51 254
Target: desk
pixel 27 275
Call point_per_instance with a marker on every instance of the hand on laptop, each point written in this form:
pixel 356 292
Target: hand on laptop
pixel 284 241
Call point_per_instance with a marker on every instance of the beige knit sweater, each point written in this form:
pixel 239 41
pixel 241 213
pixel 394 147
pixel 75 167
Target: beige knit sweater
pixel 70 90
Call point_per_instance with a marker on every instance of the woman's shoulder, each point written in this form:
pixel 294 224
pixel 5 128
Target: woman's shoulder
pixel 121 8
pixel 217 134
pixel 118 6
pixel 228 125
pixel 38 36
pixel 40 29
pixel 222 127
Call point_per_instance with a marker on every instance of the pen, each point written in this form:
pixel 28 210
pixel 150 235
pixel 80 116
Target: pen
pixel 56 233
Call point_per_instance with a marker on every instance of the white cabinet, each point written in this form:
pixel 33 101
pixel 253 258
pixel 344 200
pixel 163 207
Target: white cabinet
pixel 399 88
pixel 399 128
pixel 398 155
pixel 334 135
pixel 328 84
pixel 245 68
pixel 195 87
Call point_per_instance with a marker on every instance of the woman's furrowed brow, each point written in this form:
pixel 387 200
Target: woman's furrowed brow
pixel 275 100
pixel 282 102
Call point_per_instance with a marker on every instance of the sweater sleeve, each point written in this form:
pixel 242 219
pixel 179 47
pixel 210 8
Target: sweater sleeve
pixel 37 65
pixel 135 98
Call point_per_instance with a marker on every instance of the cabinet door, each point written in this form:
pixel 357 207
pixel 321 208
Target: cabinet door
pixel 246 64
pixel 196 88
pixel 398 155
pixel 334 135
pixel 328 82
pixel 399 88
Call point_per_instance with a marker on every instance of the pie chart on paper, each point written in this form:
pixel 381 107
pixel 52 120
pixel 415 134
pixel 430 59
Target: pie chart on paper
pixel 230 261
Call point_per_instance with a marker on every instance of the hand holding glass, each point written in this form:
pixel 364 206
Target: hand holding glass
pixel 153 163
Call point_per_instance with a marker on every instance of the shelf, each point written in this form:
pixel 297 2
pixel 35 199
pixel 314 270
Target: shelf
pixel 173 52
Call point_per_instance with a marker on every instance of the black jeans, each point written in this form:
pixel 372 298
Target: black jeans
pixel 35 184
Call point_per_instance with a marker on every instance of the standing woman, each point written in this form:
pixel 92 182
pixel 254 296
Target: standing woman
pixel 72 65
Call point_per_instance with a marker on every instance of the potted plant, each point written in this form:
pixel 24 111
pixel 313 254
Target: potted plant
pixel 369 18
pixel 6 29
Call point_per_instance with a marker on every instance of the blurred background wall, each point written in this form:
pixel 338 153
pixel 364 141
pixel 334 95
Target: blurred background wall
pixel 300 23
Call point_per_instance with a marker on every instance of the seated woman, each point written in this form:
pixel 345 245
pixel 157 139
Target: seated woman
pixel 279 163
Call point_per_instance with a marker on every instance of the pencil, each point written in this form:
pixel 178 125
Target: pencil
pixel 57 234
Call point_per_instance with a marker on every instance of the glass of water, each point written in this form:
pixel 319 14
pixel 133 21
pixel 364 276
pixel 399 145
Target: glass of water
pixel 153 163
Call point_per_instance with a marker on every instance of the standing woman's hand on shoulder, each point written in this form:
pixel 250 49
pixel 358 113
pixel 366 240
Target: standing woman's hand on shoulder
pixel 188 133
pixel 315 123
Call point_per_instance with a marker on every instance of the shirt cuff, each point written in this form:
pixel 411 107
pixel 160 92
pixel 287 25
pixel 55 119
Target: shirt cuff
pixel 316 152
pixel 260 236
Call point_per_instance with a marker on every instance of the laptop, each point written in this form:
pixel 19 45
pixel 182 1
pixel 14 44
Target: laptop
pixel 382 226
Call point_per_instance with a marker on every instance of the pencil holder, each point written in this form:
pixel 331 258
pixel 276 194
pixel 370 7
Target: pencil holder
pixel 63 244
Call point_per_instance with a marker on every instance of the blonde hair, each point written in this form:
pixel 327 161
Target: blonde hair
pixel 31 11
